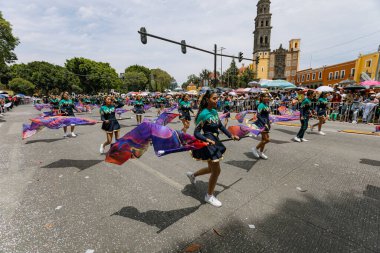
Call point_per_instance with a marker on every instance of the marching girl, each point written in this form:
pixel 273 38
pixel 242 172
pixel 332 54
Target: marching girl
pixel 110 124
pixel 321 112
pixel 138 109
pixel 305 112
pixel 185 109
pixel 263 111
pixel 67 107
pixel 227 109
pixel 207 119
pixel 54 101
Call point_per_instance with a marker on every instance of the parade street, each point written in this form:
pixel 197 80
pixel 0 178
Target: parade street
pixel 58 195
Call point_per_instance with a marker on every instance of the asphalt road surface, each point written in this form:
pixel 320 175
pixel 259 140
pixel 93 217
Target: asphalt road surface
pixel 58 195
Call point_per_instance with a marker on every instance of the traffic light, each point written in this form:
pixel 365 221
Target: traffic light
pixel 240 56
pixel 143 36
pixel 183 46
pixel 257 60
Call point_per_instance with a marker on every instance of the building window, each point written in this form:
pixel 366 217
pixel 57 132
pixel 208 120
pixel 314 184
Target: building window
pixel 303 78
pixel 265 9
pixel 288 63
pixel 320 75
pixel 295 56
pixel 266 40
pixel 330 75
pixel 293 73
pixel 336 75
pixel 308 77
pixel 298 78
pixel 352 72
pixel 261 40
pixel 262 69
pixel 368 63
pixel 296 45
pixel 267 23
pixel 342 74
pixel 262 23
pixel 313 77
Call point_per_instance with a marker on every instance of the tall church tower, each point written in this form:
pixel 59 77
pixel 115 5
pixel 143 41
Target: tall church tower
pixel 262 34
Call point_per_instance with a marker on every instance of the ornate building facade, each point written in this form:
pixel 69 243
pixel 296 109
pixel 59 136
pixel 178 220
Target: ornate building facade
pixel 279 64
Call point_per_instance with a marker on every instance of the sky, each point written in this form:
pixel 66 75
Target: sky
pixel 331 31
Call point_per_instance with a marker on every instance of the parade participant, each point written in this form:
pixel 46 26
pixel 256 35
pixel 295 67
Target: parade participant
pixel 86 103
pixel 207 120
pixel 305 112
pixel 110 124
pixel 226 109
pixel 159 104
pixel 138 109
pixel 262 121
pixel 54 101
pixel 66 106
pixel 321 112
pixel 185 109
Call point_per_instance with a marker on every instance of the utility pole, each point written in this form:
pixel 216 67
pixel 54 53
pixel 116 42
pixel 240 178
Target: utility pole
pixel 221 64
pixel 215 52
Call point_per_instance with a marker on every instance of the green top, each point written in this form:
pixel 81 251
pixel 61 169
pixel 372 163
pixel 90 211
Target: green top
pixel 207 115
pixel 107 109
pixel 185 104
pixel 65 102
pixel 305 102
pixel 263 107
pixel 139 102
pixel 322 101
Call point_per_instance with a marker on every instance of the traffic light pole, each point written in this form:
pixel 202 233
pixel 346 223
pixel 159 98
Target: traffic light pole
pixel 144 36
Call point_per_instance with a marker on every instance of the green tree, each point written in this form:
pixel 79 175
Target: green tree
pixel 231 75
pixel 193 79
pixel 8 43
pixel 245 77
pixel 134 81
pixel 94 76
pixel 161 79
pixel 48 78
pixel 20 85
pixel 205 76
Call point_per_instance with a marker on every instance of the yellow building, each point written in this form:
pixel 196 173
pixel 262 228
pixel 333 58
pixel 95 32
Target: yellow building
pixel 262 70
pixel 367 65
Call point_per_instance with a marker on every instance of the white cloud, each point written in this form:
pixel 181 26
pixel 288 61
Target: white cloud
pixel 107 30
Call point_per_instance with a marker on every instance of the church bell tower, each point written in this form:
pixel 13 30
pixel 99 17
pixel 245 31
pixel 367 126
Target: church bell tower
pixel 262 35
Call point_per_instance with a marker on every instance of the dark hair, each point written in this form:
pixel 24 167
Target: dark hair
pixel 262 96
pixel 203 104
pixel 309 93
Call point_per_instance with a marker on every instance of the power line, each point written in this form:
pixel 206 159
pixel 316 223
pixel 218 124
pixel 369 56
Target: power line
pixel 344 43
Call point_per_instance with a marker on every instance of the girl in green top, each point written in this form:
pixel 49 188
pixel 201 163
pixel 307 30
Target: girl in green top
pixel 185 109
pixel 67 107
pixel 207 120
pixel 321 112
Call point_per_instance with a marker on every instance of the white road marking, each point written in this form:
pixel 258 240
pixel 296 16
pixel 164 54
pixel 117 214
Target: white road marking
pixel 159 175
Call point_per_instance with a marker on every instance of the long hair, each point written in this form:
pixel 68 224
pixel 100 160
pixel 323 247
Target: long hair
pixel 203 104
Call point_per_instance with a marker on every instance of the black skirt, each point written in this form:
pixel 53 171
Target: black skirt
pixel 138 110
pixel 211 152
pixel 263 124
pixel 185 115
pixel 111 126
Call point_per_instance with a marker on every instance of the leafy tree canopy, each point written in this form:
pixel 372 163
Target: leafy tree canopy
pixel 20 85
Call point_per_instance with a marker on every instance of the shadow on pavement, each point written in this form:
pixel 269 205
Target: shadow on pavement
pixel 244 164
pixel 370 162
pixel 79 164
pixel 372 191
pixel 278 141
pixel 337 223
pixel 287 131
pixel 159 219
pixel 44 140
